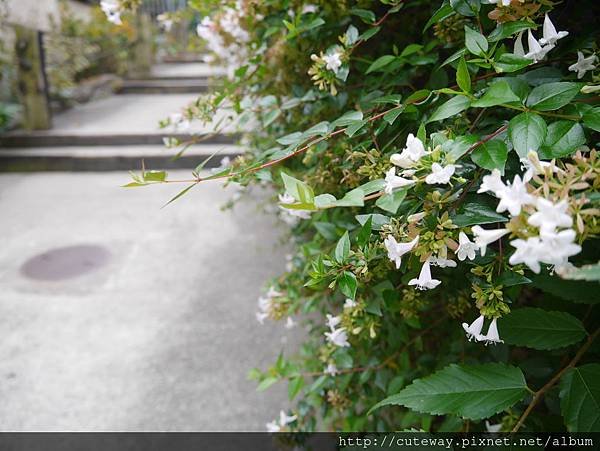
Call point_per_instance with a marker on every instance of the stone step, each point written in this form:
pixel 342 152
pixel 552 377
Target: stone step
pixel 164 86
pixel 49 139
pixel 111 158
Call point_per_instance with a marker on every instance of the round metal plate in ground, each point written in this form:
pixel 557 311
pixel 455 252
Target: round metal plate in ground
pixel 66 262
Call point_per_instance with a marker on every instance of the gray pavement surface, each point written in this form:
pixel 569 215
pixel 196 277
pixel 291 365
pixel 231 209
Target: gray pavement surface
pixel 118 315
pixel 178 70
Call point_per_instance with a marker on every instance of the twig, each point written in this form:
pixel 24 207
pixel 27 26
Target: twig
pixel 540 393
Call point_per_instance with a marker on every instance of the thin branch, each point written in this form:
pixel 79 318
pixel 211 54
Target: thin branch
pixel 540 393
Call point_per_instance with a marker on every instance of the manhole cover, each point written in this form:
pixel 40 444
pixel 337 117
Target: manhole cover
pixel 65 262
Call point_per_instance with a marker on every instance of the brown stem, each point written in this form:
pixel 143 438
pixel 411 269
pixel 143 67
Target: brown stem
pixel 540 393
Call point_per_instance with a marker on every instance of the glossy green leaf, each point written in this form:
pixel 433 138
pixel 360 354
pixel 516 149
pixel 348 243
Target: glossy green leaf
pixel 474 212
pixel 380 63
pixel 527 131
pixel 347 284
pixel 450 108
pixel 342 248
pixel 562 139
pixel 540 329
pixel 580 398
pixel 475 42
pixel 442 13
pixel 459 390
pixel 552 96
pixel 391 202
pixel 509 62
pixel 498 93
pixel 570 290
pixel 506 29
pixel 591 119
pixel 491 155
pixel 348 118
pixel 463 78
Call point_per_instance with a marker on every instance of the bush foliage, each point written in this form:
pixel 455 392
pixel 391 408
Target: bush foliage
pixel 436 164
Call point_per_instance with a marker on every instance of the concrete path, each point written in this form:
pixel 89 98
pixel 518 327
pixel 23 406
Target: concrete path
pixel 117 315
pixel 184 70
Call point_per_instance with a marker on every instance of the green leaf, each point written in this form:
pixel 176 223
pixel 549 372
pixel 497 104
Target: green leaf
pixel 506 29
pixel 369 33
pixel 391 202
pixel 453 106
pixel 580 398
pixel 527 132
pixel 179 194
pixel 570 290
pixel 442 13
pixel 562 139
pixel 322 128
pixel 325 201
pixel 348 118
pixel 422 132
pixel 347 283
pixel 297 189
pixel 540 329
pixel 354 127
pixel 475 42
pixel 458 147
pixel 380 63
pixel 591 119
pixel 391 116
pixel 365 233
pixel 372 186
pixel 342 249
pixel 496 94
pixel 552 96
pixel 155 176
pixel 509 62
pixel 351 35
pixel 465 7
pixel 354 198
pixel 378 221
pixel 291 139
pixel 460 390
pixel 294 386
pixel 366 15
pixel 587 272
pixel 491 155
pixel 463 78
pixel 266 383
pixel 476 212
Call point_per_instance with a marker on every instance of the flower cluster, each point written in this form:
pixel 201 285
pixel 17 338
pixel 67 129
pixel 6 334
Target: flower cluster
pixel 539 49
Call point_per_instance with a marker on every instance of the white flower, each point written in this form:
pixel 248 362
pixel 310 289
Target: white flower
pixel 412 153
pixel 529 252
pixel 442 262
pixel 474 329
pixel 333 61
pixel 536 51
pixel 349 304
pixel 492 182
pixel 261 316
pixel 558 247
pixel 296 213
pixel 290 323
pixel 466 248
pixel 392 181
pixel 549 216
pixel 333 321
pixel 492 334
pixel 284 420
pixel 273 293
pixel 272 426
pixel 533 166
pixel 331 370
pixel 583 64
pixel 484 237
pixel 493 428
pixel 178 122
pixel 504 2
pixel 338 337
pixel 307 9
pixel 424 281
pixel 518 47
pixel 550 34
pixel 513 197
pixel 397 250
pixel 440 174
pixel 112 11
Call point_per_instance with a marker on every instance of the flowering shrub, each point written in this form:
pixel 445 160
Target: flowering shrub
pixel 436 162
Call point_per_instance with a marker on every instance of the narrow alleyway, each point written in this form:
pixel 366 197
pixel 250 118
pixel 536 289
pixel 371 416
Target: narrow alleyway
pixel 116 314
